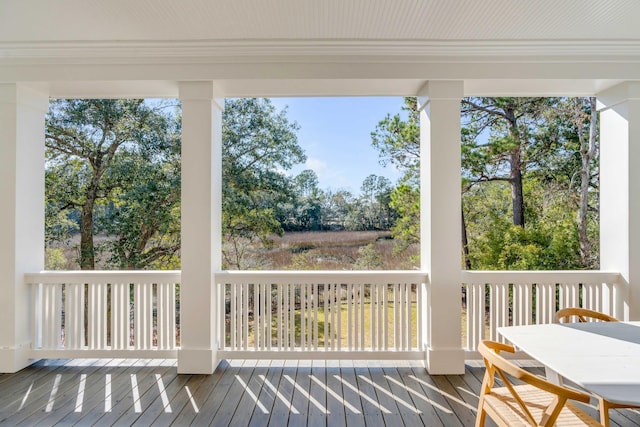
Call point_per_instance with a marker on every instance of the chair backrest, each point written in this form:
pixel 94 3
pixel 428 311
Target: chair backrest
pixel 507 371
pixel 582 314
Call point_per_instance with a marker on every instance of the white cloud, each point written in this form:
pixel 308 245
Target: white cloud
pixel 327 176
pixel 318 166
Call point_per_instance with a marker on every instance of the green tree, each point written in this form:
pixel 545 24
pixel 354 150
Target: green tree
pixel 368 258
pixel 143 214
pixel 397 139
pixel 335 209
pixel 259 143
pixel 500 141
pixel 90 144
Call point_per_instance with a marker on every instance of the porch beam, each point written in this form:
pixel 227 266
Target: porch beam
pixel 440 222
pixel 619 109
pixel 22 120
pixel 201 225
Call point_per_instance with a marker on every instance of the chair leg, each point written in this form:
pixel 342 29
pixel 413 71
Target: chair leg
pixel 603 407
pixel 480 418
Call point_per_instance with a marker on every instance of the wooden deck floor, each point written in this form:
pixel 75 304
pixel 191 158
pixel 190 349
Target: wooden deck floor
pixel 243 393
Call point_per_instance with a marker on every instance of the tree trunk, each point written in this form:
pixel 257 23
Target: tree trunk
pixel 587 150
pixel 515 172
pixel 87 253
pixel 465 244
pixel 517 196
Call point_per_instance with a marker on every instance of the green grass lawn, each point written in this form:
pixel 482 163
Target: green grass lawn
pixel 324 326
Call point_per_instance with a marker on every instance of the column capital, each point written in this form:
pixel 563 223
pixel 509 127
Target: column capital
pixel 618 94
pixel 35 97
pixel 201 91
pixel 442 90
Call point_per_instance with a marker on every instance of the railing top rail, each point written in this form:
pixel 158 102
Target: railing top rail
pixel 324 276
pixel 103 276
pixel 540 276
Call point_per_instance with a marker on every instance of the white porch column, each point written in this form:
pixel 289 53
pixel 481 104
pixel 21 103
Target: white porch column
pixel 22 119
pixel 201 222
pixel 620 191
pixel 440 222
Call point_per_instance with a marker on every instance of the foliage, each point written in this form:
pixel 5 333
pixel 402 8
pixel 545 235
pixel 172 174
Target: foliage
pixel 549 242
pixel 521 158
pixel 405 199
pixel 397 138
pixel 104 164
pixel 368 258
pixel 54 259
pixel 258 143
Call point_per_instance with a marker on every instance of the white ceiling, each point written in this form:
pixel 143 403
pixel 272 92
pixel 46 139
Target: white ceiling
pixel 418 20
pixel 319 47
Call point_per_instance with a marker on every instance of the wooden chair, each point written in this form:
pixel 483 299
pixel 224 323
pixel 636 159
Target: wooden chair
pixel 533 401
pixel 582 314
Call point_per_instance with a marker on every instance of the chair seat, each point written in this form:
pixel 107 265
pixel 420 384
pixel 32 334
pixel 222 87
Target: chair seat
pixel 501 404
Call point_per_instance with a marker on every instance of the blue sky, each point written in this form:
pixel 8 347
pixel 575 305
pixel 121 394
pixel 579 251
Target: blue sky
pixel 336 136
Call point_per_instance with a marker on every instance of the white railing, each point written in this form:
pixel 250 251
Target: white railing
pixel 104 313
pixel 504 298
pixel 295 314
pixel 327 314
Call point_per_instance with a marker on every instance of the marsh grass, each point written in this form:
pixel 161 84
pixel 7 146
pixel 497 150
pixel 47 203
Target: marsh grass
pixel 335 250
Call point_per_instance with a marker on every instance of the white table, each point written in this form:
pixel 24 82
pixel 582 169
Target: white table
pixel 601 357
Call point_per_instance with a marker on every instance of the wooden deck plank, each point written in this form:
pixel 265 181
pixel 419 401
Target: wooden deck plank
pixel 93 392
pixel 95 402
pixel 420 378
pixel 220 399
pixel 463 410
pixel 26 381
pixel 411 415
pixel 41 400
pixel 282 407
pixel 428 409
pixel 350 393
pixel 391 412
pixel 127 403
pixel 318 412
pixel 234 395
pixel 181 399
pixel 211 405
pixel 300 399
pixel 17 384
pixel 159 414
pixel 167 386
pixel 266 395
pixel 335 396
pixel 201 387
pixel 67 397
pixel 249 401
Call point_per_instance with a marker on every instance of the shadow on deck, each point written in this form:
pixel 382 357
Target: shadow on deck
pixel 243 393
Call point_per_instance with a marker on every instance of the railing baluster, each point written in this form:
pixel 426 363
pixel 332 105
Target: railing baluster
pixel 256 316
pixel 292 320
pixel 327 314
pixel 280 320
pixel 385 323
pixel 298 299
pixel 316 308
pixel 339 335
pixel 303 320
pixel 362 335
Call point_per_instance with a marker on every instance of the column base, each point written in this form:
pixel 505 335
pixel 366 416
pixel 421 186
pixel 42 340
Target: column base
pixel 448 361
pixel 197 361
pixel 14 359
